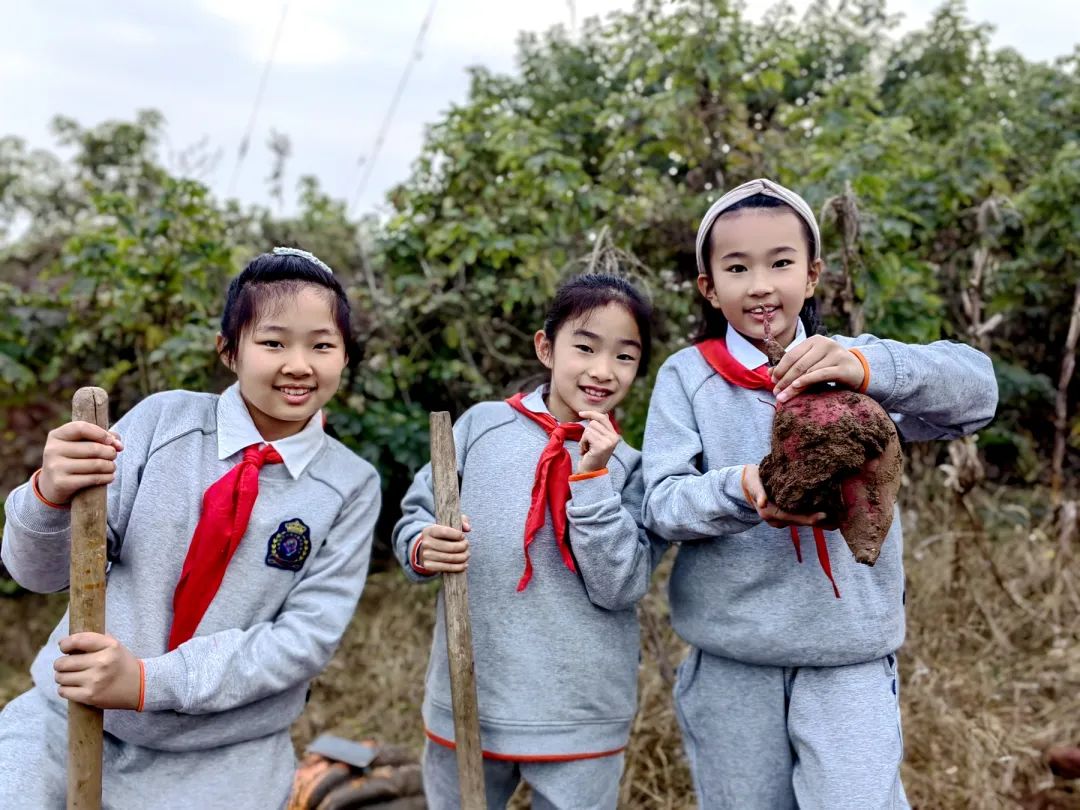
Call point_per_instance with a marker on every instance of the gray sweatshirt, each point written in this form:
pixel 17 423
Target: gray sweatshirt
pixel 275 621
pixel 556 664
pixel 736 589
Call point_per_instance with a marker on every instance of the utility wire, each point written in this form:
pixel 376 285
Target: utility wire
pixel 245 142
pixel 369 162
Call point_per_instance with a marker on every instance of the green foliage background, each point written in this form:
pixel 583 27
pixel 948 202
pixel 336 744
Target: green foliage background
pixel 946 153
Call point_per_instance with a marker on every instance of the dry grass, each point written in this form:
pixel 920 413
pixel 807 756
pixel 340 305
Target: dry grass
pixel 25 623
pixel 990 677
pixel 991 670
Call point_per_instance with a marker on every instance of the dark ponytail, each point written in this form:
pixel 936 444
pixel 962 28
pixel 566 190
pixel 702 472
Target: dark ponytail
pixel 591 291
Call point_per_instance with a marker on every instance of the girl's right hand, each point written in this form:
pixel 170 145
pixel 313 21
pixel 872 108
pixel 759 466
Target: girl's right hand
pixel 76 456
pixel 772 514
pixel 443 549
pixel 598 441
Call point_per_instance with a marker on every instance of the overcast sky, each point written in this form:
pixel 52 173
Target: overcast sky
pixel 336 67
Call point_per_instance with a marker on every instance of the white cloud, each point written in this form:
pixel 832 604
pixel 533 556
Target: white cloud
pixel 312 34
pixel 126 33
pixel 485 26
pixel 14 65
pixel 335 71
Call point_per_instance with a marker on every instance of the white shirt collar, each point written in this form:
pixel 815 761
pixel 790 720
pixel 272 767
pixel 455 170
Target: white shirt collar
pixel 236 431
pixel 534 401
pixel 749 355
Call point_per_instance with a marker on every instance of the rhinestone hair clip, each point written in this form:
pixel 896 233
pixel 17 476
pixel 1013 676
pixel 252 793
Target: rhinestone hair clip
pixel 303 254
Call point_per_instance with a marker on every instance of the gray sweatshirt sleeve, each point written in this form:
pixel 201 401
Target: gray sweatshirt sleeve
pixel 418 505
pixel 941 390
pixel 614 552
pixel 417 512
pixel 36 548
pixel 682 503
pixel 231 668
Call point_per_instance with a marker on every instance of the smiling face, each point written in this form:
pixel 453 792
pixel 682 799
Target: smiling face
pixel 760 267
pixel 593 361
pixel 289 363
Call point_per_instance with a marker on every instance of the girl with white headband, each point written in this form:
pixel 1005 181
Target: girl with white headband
pixel 789 696
pixel 238 536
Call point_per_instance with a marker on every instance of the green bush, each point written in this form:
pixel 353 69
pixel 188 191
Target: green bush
pixel 927 157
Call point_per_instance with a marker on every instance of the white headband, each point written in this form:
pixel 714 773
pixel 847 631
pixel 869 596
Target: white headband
pixel 303 254
pixel 740 193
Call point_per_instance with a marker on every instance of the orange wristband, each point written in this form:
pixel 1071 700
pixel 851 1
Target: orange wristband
pixel 414 558
pixel 142 686
pixel 42 498
pixel 865 370
pixel 745 491
pixel 588 475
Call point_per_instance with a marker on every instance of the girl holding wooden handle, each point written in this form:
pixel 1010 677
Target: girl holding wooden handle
pixel 239 535
pixel 556 561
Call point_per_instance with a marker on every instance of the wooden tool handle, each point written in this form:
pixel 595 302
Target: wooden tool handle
pixel 458 631
pixel 86 611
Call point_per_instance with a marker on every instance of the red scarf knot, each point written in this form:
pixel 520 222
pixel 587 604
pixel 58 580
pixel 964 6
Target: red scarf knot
pixel 551 486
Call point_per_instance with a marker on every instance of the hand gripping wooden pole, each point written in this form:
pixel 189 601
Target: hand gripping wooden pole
pixel 458 632
pixel 86 612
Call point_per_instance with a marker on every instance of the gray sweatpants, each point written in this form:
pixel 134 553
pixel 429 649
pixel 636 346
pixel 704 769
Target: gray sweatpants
pixel 253 775
pixel 580 784
pixel 776 738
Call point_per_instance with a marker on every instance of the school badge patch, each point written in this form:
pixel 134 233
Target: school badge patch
pixel 289 546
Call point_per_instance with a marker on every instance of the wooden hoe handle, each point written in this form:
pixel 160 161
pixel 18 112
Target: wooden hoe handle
pixel 458 631
pixel 86 612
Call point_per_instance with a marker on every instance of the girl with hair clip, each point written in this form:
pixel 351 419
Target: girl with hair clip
pixel 789 695
pixel 238 535
pixel 556 561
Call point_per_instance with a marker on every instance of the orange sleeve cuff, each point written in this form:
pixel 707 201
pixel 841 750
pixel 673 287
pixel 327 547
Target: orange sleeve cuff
pixel 588 475
pixel 142 686
pixel 42 498
pixel 865 369
pixel 414 558
pixel 745 491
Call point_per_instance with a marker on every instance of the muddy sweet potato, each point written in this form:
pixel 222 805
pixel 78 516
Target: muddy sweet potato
pixel 838 452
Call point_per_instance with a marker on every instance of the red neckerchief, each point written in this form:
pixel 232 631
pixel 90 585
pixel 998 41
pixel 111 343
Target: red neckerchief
pixel 551 486
pixel 226 511
pixel 719 357
pixel 716 354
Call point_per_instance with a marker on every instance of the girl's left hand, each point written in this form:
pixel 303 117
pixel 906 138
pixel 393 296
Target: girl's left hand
pixel 99 671
pixel 817 359
pixel 598 442
pixel 754 492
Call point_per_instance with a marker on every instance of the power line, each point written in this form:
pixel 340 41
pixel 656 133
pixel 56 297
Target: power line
pixel 245 142
pixel 417 52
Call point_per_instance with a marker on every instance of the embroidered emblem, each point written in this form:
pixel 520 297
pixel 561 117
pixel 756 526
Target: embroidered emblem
pixel 289 546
